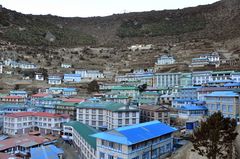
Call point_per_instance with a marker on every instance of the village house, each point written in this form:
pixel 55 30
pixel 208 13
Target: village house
pixel 179 102
pixel 64 65
pixel 154 112
pixel 64 91
pixel 166 80
pixel 26 122
pixel 67 108
pixel 192 112
pixel 155 141
pixel 235 76
pixel 107 115
pixel 140 47
pixel 74 78
pixel 12 99
pixel 129 91
pixel 201 77
pixel 149 98
pixel 140 78
pixel 45 151
pixel 199 62
pixel 165 60
pixel 85 143
pixel 1 67
pixel 55 79
pixel 221 75
pixel 39 77
pixel 22 65
pixel 18 93
pixel 226 102
pixel 21 145
pixel 46 104
pixel 116 98
pixel 90 74
pixel 214 57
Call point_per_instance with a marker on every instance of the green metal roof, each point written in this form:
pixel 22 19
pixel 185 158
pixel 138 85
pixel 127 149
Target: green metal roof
pixel 84 131
pixel 68 104
pixel 112 106
pixel 151 93
pixel 124 88
pixel 48 99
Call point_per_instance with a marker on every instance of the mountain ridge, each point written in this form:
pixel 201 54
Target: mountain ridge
pixel 218 21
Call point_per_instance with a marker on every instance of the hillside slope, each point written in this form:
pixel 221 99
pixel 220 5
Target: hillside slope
pixel 218 21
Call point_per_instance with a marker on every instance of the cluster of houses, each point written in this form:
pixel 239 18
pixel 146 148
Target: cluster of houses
pixel 135 116
pixel 77 77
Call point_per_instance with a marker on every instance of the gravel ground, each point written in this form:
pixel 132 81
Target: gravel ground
pixel 69 151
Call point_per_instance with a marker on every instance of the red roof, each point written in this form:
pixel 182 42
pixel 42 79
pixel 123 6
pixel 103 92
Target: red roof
pixel 14 97
pixel 40 95
pixel 21 141
pixel 40 114
pixel 8 156
pixel 73 100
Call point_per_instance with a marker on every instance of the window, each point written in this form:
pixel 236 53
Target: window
pixel 133 121
pixel 110 157
pixel 230 108
pixel 127 114
pixel 134 114
pixel 145 155
pixel 136 157
pixel 102 155
pixel 127 121
pixel 111 144
pixel 119 115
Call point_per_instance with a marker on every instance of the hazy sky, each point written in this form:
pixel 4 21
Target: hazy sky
pixel 86 8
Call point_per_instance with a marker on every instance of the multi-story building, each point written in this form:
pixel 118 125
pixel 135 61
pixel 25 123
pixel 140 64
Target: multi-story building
pixel 25 122
pixel 39 76
pixel 165 60
pixel 167 80
pixel 189 92
pixel 221 75
pixel 202 92
pixel 212 57
pixel 12 99
pixel 90 74
pixel 18 93
pixel 192 112
pixel 129 91
pixel 235 76
pixel 55 79
pixel 67 108
pixel 107 115
pixel 47 104
pixel 142 141
pixel 80 134
pixel 186 79
pixel 201 77
pixel 75 78
pixel 149 98
pixel 227 102
pixel 141 78
pixel 150 113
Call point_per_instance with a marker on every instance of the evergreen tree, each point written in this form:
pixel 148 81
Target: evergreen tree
pixel 93 87
pixel 214 138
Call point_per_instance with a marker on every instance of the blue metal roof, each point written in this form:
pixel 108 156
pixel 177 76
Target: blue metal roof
pixel 223 94
pixel 18 92
pixel 192 107
pixel 69 89
pixel 72 75
pixel 231 84
pixel 45 152
pixel 130 135
pixel 185 100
